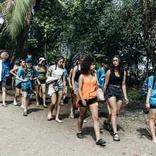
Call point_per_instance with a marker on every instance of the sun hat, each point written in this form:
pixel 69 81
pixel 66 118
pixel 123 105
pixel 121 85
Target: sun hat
pixel 41 59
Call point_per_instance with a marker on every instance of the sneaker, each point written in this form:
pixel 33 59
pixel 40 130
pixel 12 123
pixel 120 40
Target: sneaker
pixel 15 103
pixel 80 135
pixel 22 106
pixel 25 113
pixel 116 137
pixel 85 121
pixel 101 142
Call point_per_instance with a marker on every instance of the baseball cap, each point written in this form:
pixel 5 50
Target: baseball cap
pixel 28 60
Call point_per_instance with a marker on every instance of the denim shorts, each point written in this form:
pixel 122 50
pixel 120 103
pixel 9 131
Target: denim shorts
pixel 113 91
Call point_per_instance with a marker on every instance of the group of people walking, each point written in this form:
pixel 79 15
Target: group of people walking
pixel 83 80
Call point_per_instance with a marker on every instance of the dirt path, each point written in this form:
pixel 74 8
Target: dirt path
pixel 35 136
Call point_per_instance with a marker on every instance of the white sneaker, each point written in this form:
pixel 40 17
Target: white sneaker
pixel 22 106
pixel 85 121
pixel 15 102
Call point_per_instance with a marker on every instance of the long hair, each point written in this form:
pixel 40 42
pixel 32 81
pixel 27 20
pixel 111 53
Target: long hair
pixel 85 65
pixel 58 59
pixel 26 71
pixel 120 67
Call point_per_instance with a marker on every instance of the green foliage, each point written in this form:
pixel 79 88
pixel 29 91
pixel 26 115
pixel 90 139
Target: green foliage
pixel 135 95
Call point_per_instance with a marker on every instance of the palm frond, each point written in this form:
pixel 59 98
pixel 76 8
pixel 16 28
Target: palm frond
pixel 15 15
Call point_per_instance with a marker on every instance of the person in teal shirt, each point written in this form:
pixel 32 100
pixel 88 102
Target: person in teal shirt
pixel 151 105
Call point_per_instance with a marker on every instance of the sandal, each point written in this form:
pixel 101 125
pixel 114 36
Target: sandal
pixel 101 142
pixel 107 126
pixel 116 137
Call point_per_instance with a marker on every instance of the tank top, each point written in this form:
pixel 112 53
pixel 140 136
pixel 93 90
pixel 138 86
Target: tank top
pixel 89 87
pixel 116 80
pixel 42 73
pixel 78 73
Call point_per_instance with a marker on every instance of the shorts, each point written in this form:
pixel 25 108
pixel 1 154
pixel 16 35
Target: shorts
pixel 88 102
pixel 113 91
pixel 18 86
pixel 42 81
pixel 54 89
pixel 26 92
pixel 3 83
pixel 152 107
pixel 76 86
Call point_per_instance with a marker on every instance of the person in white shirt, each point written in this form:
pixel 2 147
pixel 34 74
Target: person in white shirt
pixel 57 87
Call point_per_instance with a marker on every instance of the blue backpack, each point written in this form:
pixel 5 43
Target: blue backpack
pixel 145 86
pixel 101 73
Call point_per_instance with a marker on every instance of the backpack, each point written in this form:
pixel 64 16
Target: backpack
pixel 101 77
pixel 145 86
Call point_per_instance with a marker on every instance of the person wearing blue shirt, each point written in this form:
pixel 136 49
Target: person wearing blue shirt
pixel 27 75
pixel 4 73
pixel 101 74
pixel 151 105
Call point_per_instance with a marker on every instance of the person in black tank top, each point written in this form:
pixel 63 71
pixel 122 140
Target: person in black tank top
pixel 115 85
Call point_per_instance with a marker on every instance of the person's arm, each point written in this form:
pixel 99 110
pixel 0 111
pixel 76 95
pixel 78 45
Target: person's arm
pixel 64 83
pixel 106 80
pixel 80 88
pixel 73 77
pixel 48 72
pixel 149 93
pixel 124 88
pixel 13 71
pixel 69 78
pixel 21 73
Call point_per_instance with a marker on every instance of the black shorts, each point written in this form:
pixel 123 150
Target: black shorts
pixel 113 91
pixel 42 81
pixel 152 107
pixel 3 83
pixel 88 102
pixel 19 86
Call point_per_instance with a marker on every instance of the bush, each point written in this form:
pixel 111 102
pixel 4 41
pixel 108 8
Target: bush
pixel 135 95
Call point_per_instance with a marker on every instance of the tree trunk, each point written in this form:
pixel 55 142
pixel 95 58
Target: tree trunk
pixel 146 30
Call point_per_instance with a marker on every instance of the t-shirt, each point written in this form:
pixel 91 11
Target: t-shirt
pixel 5 69
pixel 59 73
pixel 17 72
pixel 153 92
pixel 28 83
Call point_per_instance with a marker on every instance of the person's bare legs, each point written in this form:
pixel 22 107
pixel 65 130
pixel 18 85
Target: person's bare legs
pixel 3 96
pixel 60 94
pixel 37 94
pixel 83 111
pixel 94 111
pixel 71 104
pixel 43 86
pixel 113 106
pixel 152 123
pixel 52 106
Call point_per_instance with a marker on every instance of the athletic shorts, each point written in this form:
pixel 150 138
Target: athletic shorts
pixel 26 92
pixel 113 91
pixel 152 107
pixel 18 86
pixel 3 84
pixel 88 102
pixel 42 81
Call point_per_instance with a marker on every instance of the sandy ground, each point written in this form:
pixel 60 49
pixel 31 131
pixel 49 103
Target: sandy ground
pixel 35 136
